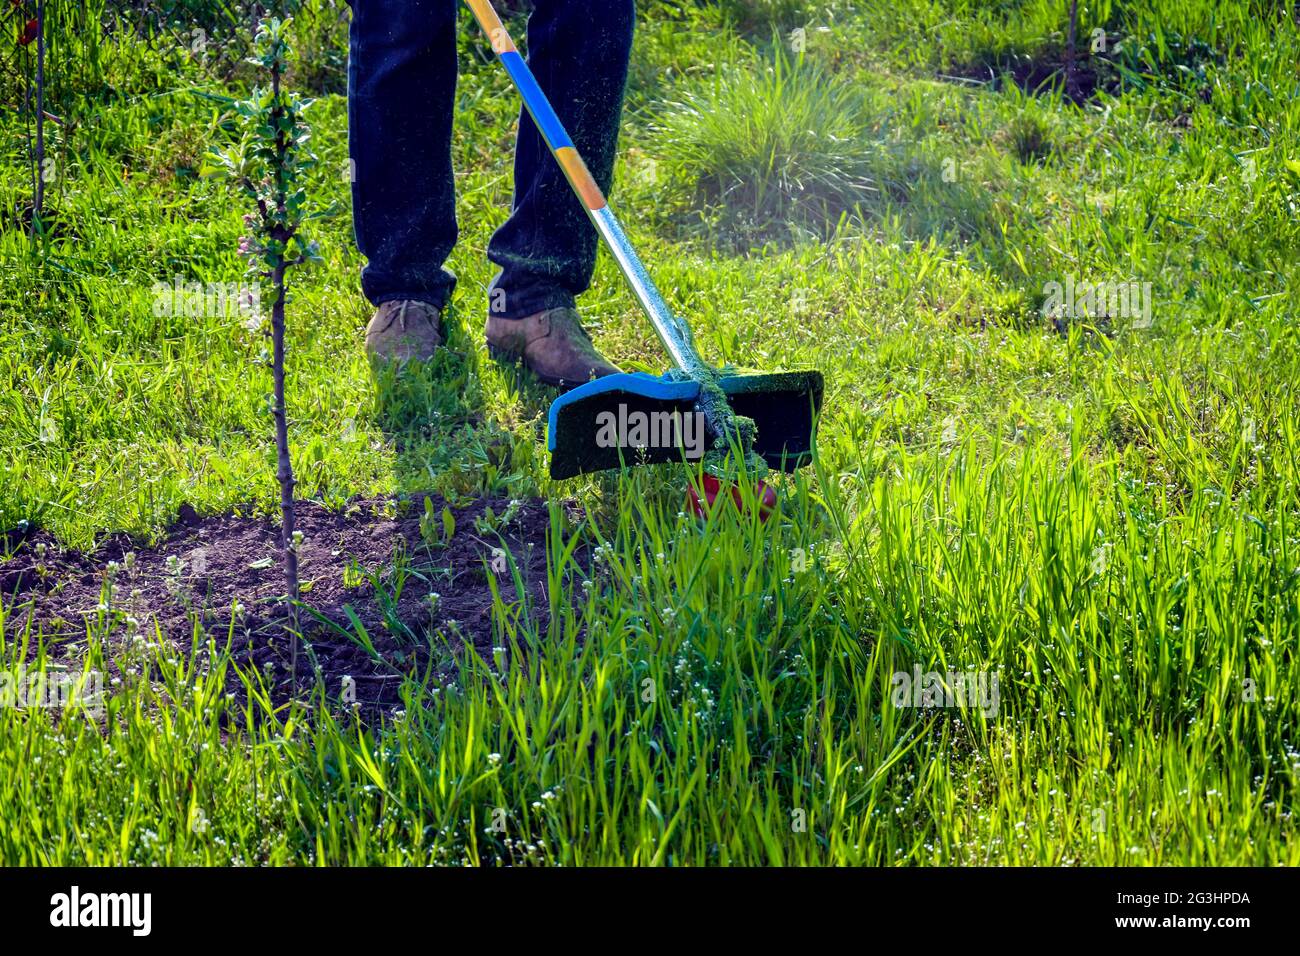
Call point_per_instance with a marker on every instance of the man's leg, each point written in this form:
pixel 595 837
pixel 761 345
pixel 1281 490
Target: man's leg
pixel 547 248
pixel 401 90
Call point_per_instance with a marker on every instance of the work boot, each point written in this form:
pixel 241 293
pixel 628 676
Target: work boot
pixel 403 329
pixel 552 343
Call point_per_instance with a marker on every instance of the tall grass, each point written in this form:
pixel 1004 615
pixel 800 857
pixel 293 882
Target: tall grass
pixel 768 144
pixel 765 14
pixel 729 703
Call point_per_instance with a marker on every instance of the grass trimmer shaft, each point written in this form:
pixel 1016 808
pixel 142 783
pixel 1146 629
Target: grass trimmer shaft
pixel 771 414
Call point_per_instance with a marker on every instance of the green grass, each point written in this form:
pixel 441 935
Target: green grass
pixel 768 146
pixel 1104 515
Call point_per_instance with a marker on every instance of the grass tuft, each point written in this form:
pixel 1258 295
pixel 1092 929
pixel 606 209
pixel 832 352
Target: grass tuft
pixel 767 145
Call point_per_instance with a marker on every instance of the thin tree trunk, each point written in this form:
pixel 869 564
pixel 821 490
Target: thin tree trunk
pixel 1071 75
pixel 38 201
pixel 284 467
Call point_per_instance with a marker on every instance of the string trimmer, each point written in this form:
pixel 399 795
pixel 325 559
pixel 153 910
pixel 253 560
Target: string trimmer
pixel 768 415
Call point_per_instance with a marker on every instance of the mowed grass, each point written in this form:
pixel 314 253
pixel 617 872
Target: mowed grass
pixel 1100 512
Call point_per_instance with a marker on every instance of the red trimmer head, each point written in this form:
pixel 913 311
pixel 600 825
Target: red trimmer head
pixel 703 496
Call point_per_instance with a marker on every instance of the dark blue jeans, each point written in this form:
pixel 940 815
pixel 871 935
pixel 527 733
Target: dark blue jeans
pixel 401 88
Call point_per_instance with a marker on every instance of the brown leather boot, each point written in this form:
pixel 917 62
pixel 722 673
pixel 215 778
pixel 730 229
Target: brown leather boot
pixel 402 330
pixel 552 343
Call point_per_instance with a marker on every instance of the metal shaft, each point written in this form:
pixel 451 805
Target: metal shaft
pixel 673 332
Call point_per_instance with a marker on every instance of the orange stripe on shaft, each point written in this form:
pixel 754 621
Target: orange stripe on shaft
pixel 492 26
pixel 581 177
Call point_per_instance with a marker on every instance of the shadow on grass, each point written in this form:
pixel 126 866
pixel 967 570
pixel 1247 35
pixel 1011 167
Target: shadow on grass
pixel 436 415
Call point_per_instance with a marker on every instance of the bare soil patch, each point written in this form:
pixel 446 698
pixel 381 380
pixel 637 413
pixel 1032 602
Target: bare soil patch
pixel 1036 74
pixel 372 559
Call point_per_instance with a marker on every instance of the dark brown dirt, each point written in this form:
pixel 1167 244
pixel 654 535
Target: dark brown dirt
pixel 1036 74
pixel 1093 73
pixel 230 576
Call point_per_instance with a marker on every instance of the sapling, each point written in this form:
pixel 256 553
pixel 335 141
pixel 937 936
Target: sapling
pixel 1071 63
pixel 269 165
pixel 33 31
pixel 38 202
